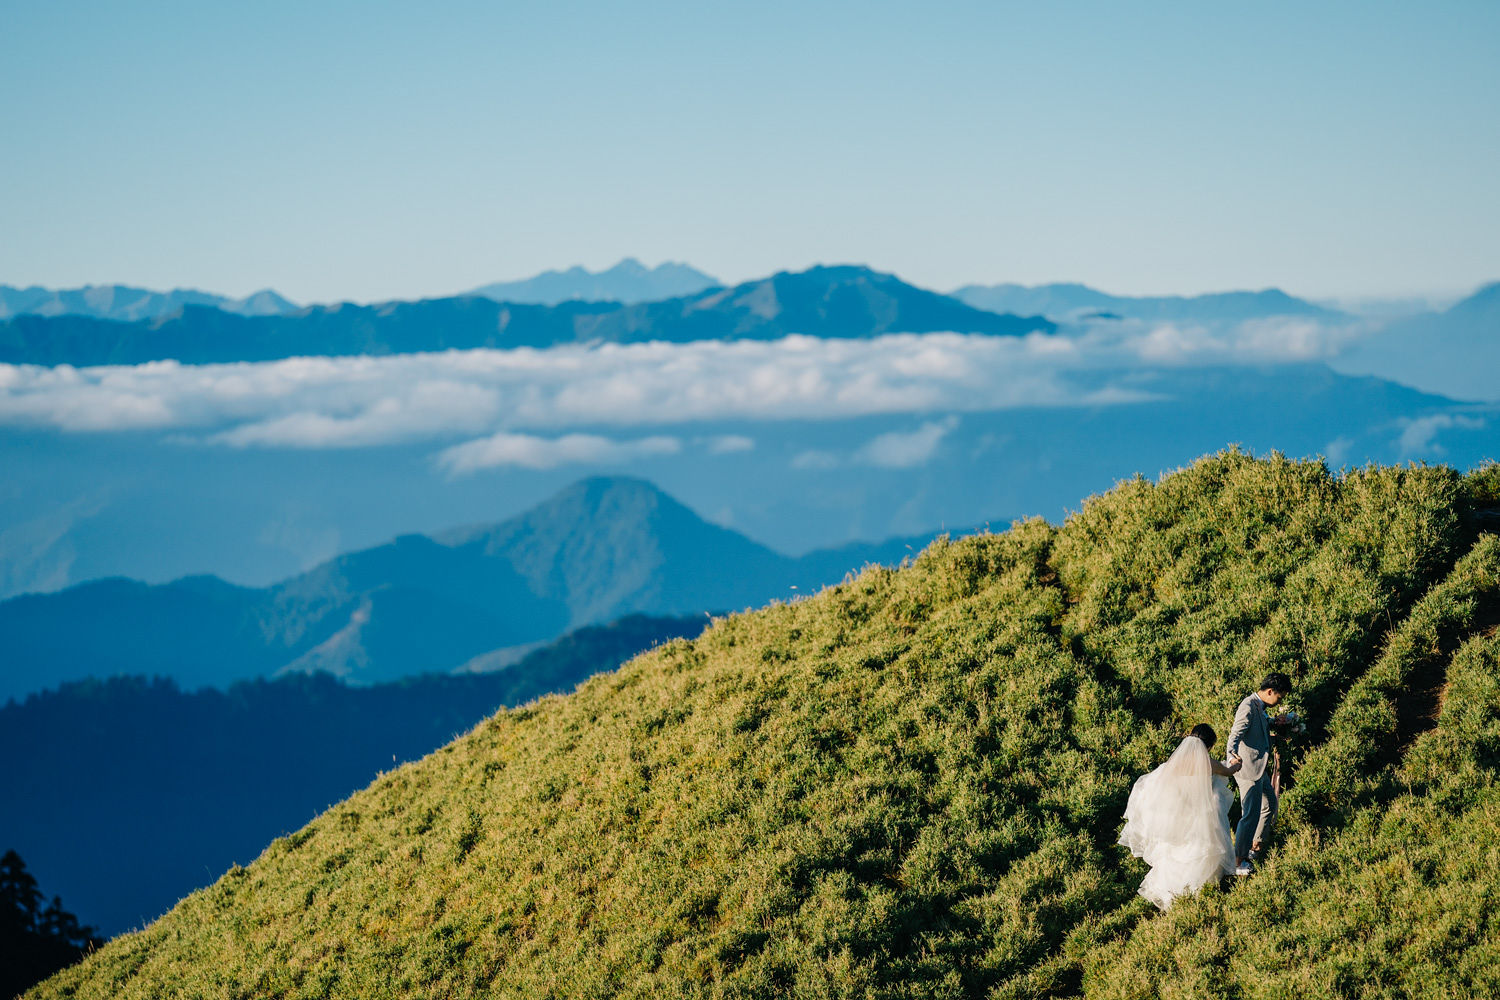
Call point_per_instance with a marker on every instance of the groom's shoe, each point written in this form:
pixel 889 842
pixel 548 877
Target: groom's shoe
pixel 1244 868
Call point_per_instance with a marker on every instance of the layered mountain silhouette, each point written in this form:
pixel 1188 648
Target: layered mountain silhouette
pixel 128 304
pixel 1073 301
pixel 834 302
pixel 1455 352
pixel 210 776
pixel 628 281
pixel 470 599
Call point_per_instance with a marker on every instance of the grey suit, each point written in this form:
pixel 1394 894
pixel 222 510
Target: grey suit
pixel 1250 738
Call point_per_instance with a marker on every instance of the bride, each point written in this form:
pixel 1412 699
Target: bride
pixel 1177 820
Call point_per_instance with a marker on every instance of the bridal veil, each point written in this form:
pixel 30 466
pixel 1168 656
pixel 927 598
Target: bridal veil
pixel 1176 822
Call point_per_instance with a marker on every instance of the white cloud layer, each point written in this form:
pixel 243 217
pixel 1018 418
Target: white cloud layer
pixel 906 449
pixel 815 458
pixel 532 452
pixel 364 401
pixel 1257 341
pixel 1419 434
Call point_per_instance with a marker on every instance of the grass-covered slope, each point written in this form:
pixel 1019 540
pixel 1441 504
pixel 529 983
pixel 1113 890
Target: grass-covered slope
pixel 910 785
pixel 126 794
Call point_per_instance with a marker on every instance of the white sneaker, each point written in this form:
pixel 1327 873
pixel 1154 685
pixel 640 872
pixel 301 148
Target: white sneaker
pixel 1245 868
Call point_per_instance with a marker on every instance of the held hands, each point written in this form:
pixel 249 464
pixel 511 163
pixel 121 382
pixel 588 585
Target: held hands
pixel 1234 763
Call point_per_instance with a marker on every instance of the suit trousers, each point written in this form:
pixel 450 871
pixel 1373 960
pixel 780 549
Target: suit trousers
pixel 1258 804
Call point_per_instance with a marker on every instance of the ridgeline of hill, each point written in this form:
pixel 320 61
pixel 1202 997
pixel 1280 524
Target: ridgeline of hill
pixel 838 302
pixel 910 785
pixel 1447 352
pixel 1066 301
pixel 596 551
pixel 129 793
pixel 127 304
pixel 629 281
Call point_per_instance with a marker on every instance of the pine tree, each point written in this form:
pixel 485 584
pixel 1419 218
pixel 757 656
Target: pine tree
pixel 19 895
pixel 34 941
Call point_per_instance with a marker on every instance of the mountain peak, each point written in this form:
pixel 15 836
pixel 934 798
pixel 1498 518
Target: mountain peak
pixel 1487 298
pixel 830 301
pixel 628 281
pixel 604 545
pixel 1069 300
pixel 592 495
pixel 835 274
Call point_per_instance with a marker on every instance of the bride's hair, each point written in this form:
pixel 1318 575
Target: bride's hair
pixel 1206 733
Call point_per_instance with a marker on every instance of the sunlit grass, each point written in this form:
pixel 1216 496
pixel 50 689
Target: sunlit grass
pixel 910 785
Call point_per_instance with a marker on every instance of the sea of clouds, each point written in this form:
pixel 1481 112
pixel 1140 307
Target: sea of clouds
pixel 544 407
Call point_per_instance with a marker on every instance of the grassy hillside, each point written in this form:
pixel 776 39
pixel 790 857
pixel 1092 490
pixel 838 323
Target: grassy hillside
pixel 124 794
pixel 910 784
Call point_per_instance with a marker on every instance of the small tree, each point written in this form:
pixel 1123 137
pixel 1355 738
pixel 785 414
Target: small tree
pixel 19 895
pixel 34 942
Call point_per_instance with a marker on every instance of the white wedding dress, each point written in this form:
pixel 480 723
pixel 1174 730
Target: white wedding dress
pixel 1177 822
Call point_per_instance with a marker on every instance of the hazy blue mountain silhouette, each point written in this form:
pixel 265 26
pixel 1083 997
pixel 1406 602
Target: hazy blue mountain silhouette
pixel 128 304
pixel 629 281
pixel 1073 301
pixel 199 630
pixel 606 547
pixel 600 549
pixel 1455 352
pixel 146 791
pixel 842 301
pixel 834 302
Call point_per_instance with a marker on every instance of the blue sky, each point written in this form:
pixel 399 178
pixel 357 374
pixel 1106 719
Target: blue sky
pixel 369 151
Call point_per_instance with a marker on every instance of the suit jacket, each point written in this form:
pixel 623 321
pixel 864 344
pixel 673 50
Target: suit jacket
pixel 1250 737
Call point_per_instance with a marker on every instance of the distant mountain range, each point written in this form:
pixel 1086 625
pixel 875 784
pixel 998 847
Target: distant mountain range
pixel 211 776
pixel 629 302
pixel 471 599
pixel 629 282
pixel 128 305
pixel 1455 352
pixel 833 302
pixel 1073 302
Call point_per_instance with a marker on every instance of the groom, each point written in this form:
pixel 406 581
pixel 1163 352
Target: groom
pixel 1250 738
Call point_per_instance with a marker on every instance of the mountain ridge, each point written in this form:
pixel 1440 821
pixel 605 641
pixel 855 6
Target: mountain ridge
pixel 1070 300
pixel 628 282
pixel 910 783
pixel 847 301
pixel 1447 352
pixel 598 550
pixel 127 303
